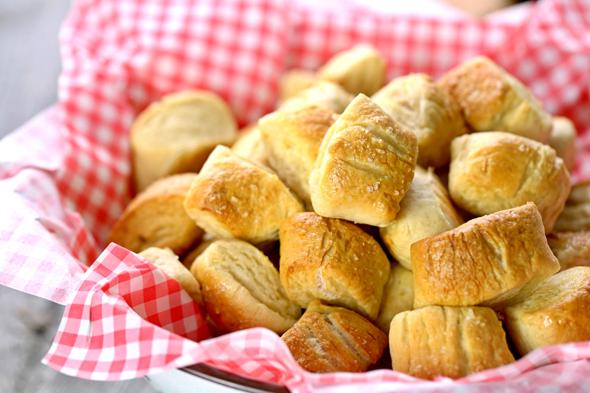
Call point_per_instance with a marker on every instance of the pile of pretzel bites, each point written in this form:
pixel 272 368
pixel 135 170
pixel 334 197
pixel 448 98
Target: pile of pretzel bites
pixel 430 216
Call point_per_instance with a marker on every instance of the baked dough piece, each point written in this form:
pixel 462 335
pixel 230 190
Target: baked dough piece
pixel 250 147
pixel 492 99
pixel 487 260
pixel 325 94
pixel 443 175
pixel 492 171
pixel 165 260
pixel 177 133
pixel 294 82
pixel 241 288
pixel 156 218
pixel 398 296
pixel 426 210
pixel 188 260
pixel 234 198
pixel 292 139
pixel 333 261
pixel 448 341
pixel 364 167
pixel 563 140
pixel 570 248
pixel 270 249
pixel 330 339
pixel 360 69
pixel 420 105
pixel 576 214
pixel 556 313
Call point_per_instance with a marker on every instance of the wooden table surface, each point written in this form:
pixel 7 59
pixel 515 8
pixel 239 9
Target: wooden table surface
pixel 29 65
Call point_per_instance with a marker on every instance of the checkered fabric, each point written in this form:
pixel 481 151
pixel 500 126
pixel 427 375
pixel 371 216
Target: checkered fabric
pixel 127 320
pixel 42 243
pixel 64 176
pixel 121 320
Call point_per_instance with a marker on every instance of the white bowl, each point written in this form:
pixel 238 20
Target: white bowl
pixel 204 378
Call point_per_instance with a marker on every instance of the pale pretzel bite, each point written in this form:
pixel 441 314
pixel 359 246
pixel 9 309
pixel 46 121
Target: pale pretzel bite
pixel 426 210
pixel 241 288
pixel 367 172
pixel 294 82
pixel 570 248
pixel 364 167
pixel 165 260
pixel 398 296
pixel 360 69
pixel 190 257
pixel 334 261
pixel 156 218
pixel 234 198
pixel 576 213
pixel 322 93
pixel 177 133
pixel 250 146
pixel 292 139
pixel 420 105
pixel 330 339
pixel 493 100
pixel 555 313
pixel 492 171
pixel 490 260
pixel 449 341
pixel 563 140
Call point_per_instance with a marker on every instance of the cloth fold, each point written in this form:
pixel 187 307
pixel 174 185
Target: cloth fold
pixel 65 176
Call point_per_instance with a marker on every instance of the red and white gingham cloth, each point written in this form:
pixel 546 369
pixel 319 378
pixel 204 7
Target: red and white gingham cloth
pixel 64 176
pixel 101 338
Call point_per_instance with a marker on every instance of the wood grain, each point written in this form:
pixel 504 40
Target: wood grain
pixel 29 65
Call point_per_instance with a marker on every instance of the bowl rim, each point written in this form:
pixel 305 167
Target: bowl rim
pixel 234 381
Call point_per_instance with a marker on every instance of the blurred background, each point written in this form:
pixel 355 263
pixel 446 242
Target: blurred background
pixel 29 67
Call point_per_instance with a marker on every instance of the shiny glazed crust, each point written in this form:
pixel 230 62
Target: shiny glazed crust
pixel 364 167
pixel 491 99
pixel 447 341
pixel 492 171
pixel 235 198
pixel 334 261
pixel 331 339
pixel 487 260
